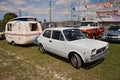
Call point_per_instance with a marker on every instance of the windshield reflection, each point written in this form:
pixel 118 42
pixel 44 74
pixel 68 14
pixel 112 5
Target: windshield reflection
pixel 73 34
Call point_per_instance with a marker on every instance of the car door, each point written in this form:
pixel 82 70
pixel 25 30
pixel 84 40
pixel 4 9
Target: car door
pixel 58 44
pixel 45 40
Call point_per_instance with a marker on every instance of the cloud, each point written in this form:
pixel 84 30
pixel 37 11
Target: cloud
pixel 62 12
pixel 63 2
pixel 37 0
pixel 36 11
pixel 82 2
pixel 17 2
pixel 5 7
pixel 40 8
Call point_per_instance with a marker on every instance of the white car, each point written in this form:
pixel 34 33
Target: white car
pixel 71 44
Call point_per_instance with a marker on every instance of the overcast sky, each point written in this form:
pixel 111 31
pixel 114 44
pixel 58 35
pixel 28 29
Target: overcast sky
pixel 61 9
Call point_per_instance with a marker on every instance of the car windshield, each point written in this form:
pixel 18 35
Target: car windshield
pixel 73 34
pixel 115 28
pixel 88 23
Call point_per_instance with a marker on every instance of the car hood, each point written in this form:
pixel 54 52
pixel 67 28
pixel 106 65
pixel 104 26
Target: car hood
pixel 87 27
pixel 89 43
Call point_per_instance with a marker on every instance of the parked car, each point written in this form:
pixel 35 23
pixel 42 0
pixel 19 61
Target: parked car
pixel 71 44
pixel 74 26
pixel 92 29
pixel 48 25
pixel 2 34
pixel 112 34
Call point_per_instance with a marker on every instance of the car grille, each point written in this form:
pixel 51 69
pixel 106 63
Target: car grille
pixel 101 50
pixel 111 35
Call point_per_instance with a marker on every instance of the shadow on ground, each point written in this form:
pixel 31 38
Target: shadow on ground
pixel 84 66
pixel 57 57
pixel 93 64
pixel 24 46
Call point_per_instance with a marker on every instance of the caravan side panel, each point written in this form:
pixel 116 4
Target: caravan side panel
pixel 22 32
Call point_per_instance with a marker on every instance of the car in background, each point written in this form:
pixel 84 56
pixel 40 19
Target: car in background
pixel 2 34
pixel 74 26
pixel 92 29
pixel 46 25
pixel 112 34
pixel 71 44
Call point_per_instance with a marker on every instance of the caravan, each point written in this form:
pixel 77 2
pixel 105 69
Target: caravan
pixel 22 30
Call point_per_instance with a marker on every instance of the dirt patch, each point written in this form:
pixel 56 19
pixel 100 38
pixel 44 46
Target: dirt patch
pixel 10 78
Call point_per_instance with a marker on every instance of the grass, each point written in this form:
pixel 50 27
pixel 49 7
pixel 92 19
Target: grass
pixel 27 63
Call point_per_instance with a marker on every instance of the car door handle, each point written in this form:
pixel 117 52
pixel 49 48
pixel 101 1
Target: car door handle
pixel 50 41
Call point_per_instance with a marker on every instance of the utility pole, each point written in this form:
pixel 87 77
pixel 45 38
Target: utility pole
pixel 71 12
pixel 85 16
pixel 50 10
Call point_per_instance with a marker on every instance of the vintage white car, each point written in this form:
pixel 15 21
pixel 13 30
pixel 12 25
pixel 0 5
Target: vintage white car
pixel 71 44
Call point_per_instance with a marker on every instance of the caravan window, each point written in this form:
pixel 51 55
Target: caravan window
pixel 33 26
pixel 9 27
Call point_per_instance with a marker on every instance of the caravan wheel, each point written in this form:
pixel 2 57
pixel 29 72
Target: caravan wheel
pixel 13 43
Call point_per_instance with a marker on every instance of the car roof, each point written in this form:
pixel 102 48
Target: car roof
pixel 60 28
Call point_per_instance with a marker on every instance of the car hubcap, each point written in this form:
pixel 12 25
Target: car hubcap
pixel 74 60
pixel 41 49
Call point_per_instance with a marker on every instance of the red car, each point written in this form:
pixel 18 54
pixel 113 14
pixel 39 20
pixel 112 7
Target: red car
pixel 92 29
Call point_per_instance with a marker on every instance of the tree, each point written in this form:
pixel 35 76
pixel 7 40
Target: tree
pixel 7 17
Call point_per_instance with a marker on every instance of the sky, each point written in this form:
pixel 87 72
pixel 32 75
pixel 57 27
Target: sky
pixel 60 9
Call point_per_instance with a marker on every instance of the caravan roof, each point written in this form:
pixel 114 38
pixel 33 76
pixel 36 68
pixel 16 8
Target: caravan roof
pixel 24 18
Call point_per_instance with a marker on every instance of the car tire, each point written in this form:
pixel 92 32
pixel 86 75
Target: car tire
pixel 13 43
pixel 41 48
pixel 2 37
pixel 76 61
pixel 93 37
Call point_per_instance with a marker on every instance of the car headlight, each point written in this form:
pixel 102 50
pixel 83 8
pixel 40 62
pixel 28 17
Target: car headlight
pixel 93 51
pixel 119 36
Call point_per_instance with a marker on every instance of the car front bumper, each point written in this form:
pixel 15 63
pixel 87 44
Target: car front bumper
pixel 115 39
pixel 96 57
pixel 2 36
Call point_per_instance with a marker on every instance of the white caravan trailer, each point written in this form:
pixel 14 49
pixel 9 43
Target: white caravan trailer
pixel 22 30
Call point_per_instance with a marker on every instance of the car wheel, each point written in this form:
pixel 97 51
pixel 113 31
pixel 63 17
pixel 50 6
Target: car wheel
pixel 13 43
pixel 41 48
pixel 76 61
pixel 93 37
pixel 2 37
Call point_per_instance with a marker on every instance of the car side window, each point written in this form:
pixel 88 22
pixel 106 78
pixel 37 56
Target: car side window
pixel 57 35
pixel 47 33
